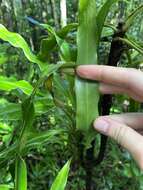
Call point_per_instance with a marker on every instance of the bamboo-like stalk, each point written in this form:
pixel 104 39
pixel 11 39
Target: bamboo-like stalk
pixel 63 8
pixel 53 7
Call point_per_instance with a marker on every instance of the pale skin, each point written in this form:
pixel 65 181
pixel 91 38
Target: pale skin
pixel 126 129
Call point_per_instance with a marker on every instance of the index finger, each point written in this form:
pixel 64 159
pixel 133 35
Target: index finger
pixel 125 77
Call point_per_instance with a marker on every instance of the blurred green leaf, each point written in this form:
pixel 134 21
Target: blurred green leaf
pixel 48 44
pixel 8 84
pixel 34 140
pixel 3 58
pixel 101 16
pixel 5 187
pixel 107 32
pixel 28 113
pixel 62 44
pixel 6 132
pixel 132 44
pixel 5 128
pixel 61 179
pixel 12 111
pixel 20 175
pixel 132 16
pixel 42 138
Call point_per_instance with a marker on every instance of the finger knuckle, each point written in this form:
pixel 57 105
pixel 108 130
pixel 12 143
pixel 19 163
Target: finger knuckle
pixel 131 72
pixel 119 134
pixel 101 74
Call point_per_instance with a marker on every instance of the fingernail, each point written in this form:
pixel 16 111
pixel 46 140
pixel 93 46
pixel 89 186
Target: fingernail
pixel 81 71
pixel 101 125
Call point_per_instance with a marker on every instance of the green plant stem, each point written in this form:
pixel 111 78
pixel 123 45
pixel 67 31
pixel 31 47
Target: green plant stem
pixel 131 17
pixel 131 44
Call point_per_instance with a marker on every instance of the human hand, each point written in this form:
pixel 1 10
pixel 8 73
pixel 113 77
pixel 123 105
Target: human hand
pixel 126 129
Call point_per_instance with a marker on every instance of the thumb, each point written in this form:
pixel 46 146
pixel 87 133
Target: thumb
pixel 124 135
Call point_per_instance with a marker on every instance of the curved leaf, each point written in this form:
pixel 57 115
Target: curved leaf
pixel 48 44
pixel 62 44
pixel 132 16
pixel 132 44
pixel 8 84
pixel 18 41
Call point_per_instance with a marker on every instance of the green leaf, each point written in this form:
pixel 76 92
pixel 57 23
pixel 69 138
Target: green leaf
pixel 131 17
pixel 33 140
pixel 5 187
pixel 6 133
pixel 62 44
pixel 20 174
pixel 102 14
pixel 5 128
pixel 7 154
pixel 17 40
pixel 63 89
pixel 3 58
pixel 61 86
pixel 48 44
pixel 28 113
pixel 42 138
pixel 52 68
pixel 9 111
pixel 111 26
pixel 132 44
pixel 61 179
pixel 107 32
pixel 12 111
pixel 87 93
pixel 65 30
pixel 8 84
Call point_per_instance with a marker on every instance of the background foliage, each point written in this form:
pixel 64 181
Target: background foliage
pixel 54 140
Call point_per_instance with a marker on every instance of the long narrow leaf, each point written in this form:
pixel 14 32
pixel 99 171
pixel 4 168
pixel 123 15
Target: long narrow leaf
pixel 132 44
pixel 132 16
pixel 43 138
pixel 33 141
pixel 61 179
pixel 28 112
pixel 102 14
pixel 20 175
pixel 87 94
